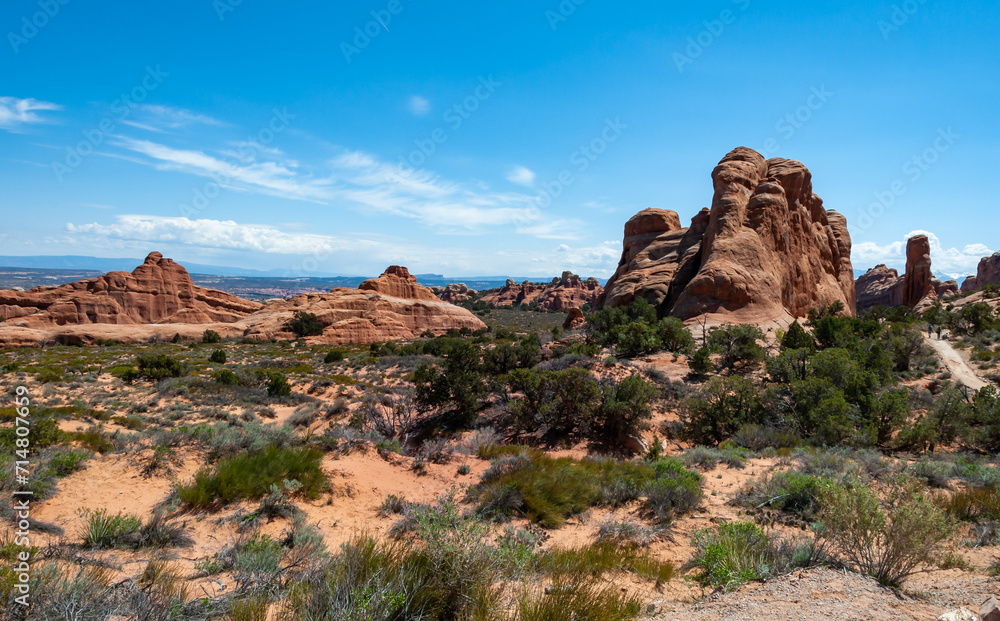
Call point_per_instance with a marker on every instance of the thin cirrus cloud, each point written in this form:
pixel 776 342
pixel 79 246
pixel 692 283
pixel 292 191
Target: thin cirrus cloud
pixel 358 179
pixel 953 262
pixel 15 113
pixel 166 118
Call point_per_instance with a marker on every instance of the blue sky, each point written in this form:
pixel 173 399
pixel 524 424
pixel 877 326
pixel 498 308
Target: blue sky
pixel 481 138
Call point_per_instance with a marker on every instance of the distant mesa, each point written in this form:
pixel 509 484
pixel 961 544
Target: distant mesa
pixel 561 294
pixel 766 251
pixel 158 299
pixel 917 288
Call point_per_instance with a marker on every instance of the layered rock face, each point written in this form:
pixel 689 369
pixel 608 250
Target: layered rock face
pixel 563 293
pixel 989 273
pixel 392 306
pixel 917 288
pixel 158 291
pixel 765 250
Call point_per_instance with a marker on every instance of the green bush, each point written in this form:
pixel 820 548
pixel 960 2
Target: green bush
pixel 701 362
pixel 304 324
pixel 797 338
pixel 973 504
pixel 738 344
pixel 721 408
pixel 334 355
pixel 277 385
pixel 250 476
pixel 885 538
pixel 155 367
pixel 792 492
pixel 109 531
pixel 218 356
pixel 457 387
pixel 209 336
pixel 226 377
pixel 740 552
pixel 673 490
pixel 624 411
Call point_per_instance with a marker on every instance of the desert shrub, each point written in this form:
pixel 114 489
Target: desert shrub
pixel 334 355
pixel 757 438
pixel 227 440
pixel 973 504
pixel 226 377
pixel 155 367
pixel 700 362
pixel 277 385
pixel 792 492
pixel 304 324
pixel 738 344
pixel 570 598
pixel 624 410
pixel 707 458
pixel 740 552
pixel 449 569
pixel 629 533
pixel 158 532
pixel 68 461
pixel 42 433
pixel 457 387
pixel 797 338
pixel 722 407
pixel 673 490
pixel 103 530
pixel 218 356
pixel 251 475
pixel 210 336
pixel 561 402
pixel 888 538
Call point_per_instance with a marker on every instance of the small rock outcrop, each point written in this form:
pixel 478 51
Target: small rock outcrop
pixel 158 291
pixel 454 293
pixel 917 288
pixel 574 319
pixel 562 293
pixel 988 273
pixel 766 249
pixel 990 610
pixel 397 282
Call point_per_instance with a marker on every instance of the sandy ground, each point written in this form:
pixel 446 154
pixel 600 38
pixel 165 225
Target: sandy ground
pixel 959 368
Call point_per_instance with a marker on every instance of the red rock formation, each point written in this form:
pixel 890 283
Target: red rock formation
pixel 574 319
pixel 562 293
pixel 766 249
pixel 918 288
pixel 158 291
pixel 390 307
pixel 455 293
pixel 397 282
pixel 988 273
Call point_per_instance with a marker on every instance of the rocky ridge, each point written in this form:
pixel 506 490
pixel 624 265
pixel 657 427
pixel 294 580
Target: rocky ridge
pixel 561 294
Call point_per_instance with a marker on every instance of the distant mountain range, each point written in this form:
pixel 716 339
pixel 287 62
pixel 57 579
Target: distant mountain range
pixel 33 271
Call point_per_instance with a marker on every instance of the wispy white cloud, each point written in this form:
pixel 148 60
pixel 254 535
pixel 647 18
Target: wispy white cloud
pixel 15 113
pixel 166 118
pixel 419 106
pixel 952 262
pixel 226 234
pixel 521 176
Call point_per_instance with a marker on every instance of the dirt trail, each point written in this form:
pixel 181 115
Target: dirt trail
pixel 960 369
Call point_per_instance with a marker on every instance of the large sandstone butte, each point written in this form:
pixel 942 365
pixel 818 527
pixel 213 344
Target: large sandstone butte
pixel 917 288
pixel 392 306
pixel 158 300
pixel 988 273
pixel 158 291
pixel 766 251
pixel 563 293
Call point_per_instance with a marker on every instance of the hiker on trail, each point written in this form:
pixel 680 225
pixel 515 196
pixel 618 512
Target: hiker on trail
pixel 930 329
pixel 939 332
